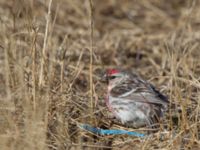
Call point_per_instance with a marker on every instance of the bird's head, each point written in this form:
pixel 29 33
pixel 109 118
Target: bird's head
pixel 113 77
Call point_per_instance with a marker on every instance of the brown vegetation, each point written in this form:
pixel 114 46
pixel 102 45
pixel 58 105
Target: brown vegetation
pixel 52 54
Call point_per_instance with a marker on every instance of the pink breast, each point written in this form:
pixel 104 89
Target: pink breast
pixel 108 103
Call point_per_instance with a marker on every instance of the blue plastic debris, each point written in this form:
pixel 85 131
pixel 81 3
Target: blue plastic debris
pixel 110 132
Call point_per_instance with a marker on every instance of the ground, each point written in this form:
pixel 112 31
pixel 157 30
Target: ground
pixel 53 53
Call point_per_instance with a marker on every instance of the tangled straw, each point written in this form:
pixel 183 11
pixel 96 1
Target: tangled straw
pixel 100 131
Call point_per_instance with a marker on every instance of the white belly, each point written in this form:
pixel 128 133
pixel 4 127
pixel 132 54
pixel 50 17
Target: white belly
pixel 128 112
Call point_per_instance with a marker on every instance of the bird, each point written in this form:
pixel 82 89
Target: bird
pixel 132 100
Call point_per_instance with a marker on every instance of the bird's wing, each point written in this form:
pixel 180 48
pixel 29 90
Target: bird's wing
pixel 139 91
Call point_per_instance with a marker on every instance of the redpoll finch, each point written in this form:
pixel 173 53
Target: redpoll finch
pixel 133 101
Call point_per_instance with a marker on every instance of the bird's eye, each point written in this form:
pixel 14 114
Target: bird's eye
pixel 112 77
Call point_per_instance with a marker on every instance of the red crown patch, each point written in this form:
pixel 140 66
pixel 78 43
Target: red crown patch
pixel 112 71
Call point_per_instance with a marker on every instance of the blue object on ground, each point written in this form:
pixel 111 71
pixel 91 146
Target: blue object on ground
pixel 109 132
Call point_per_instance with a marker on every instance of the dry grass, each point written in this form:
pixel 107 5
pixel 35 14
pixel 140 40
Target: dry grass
pixel 51 58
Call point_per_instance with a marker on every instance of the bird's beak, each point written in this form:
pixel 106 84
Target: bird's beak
pixel 104 78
